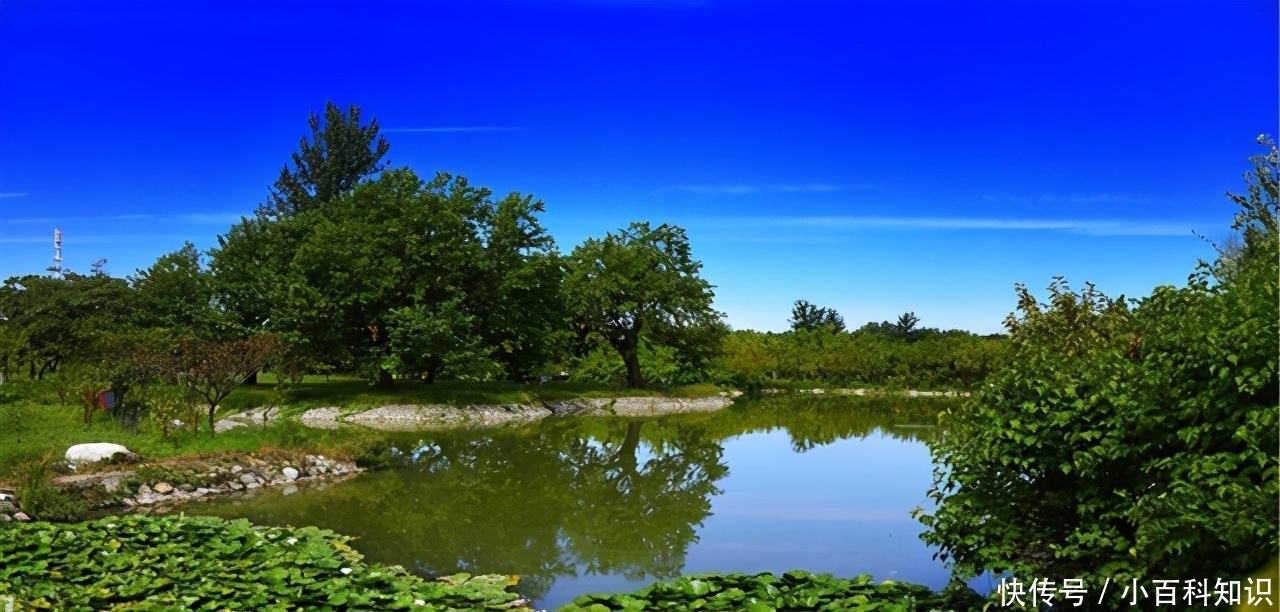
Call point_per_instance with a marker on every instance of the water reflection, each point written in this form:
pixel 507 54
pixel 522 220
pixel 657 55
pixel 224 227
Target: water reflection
pixel 575 505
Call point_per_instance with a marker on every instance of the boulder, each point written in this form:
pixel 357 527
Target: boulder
pixel 163 488
pixel 98 451
pixel 290 474
pixel 21 516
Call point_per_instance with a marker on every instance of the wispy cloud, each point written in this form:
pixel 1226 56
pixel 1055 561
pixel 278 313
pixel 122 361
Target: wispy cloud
pixel 750 189
pixel 1100 198
pixel 75 239
pixel 450 129
pixel 194 218
pixel 11 194
pixel 1095 227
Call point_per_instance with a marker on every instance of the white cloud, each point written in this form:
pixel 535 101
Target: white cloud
pixel 1096 227
pixel 750 189
pixel 449 129
pixel 10 194
pixel 1099 198
pixel 196 218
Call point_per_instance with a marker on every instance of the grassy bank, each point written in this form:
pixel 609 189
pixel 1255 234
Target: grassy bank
pixel 33 422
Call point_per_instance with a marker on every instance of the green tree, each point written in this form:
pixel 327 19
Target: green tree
pixel 212 370
pixel 1126 439
pixel 176 293
pixel 640 279
pixel 806 316
pixel 339 155
pixel 250 266
pixel 515 294
pixel 57 318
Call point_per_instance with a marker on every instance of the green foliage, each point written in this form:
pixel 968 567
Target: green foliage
pixel 1125 440
pixel 153 563
pixel 176 293
pixel 937 360
pixel 40 499
pixel 808 317
pixel 795 590
pixel 172 411
pixel 339 155
pixel 642 279
pixel 49 319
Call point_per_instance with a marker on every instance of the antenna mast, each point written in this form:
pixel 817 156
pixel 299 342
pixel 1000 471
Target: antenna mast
pixel 57 254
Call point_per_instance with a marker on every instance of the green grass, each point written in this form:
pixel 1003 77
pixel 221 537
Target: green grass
pixel 33 423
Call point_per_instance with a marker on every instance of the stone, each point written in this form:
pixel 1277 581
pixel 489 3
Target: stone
pixel 163 488
pixel 144 490
pixel 186 487
pixel 251 486
pixel 21 516
pixel 818 391
pixel 248 479
pixel 7 508
pixel 290 474
pixel 235 469
pixel 235 486
pixel 5 517
pixel 97 451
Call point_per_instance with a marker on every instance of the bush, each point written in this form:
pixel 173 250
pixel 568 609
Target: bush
pixel 40 499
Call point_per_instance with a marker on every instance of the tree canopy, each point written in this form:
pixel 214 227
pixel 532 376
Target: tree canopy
pixel 340 154
pixel 641 279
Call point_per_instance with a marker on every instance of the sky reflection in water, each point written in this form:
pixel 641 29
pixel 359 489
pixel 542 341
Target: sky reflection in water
pixel 599 505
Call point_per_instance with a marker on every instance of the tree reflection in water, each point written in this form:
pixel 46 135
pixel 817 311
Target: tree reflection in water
pixel 565 496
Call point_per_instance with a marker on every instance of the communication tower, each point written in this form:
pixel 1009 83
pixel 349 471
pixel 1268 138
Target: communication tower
pixel 57 253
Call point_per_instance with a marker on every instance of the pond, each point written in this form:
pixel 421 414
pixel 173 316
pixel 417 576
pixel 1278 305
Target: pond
pixel 577 505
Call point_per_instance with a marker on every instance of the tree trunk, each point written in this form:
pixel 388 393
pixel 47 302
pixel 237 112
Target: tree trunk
pixel 632 359
pixel 385 381
pixel 211 410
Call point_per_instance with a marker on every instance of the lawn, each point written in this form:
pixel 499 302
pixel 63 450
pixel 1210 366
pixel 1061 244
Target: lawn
pixel 34 423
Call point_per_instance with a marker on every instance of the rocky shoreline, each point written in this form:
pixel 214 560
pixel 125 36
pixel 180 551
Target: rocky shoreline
pixel 409 417
pixel 155 488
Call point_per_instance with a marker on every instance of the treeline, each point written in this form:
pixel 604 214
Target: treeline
pixel 898 354
pixel 352 267
pixel 355 268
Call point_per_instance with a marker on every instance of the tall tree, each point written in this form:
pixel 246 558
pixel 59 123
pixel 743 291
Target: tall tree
pixel 339 155
pixel 516 293
pixel 806 316
pixel 641 278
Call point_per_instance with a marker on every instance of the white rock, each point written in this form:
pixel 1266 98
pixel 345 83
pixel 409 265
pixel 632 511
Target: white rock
pixel 248 479
pixel 290 474
pixel 235 469
pixel 252 485
pixel 94 451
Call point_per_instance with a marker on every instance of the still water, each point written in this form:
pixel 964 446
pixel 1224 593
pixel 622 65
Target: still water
pixel 578 505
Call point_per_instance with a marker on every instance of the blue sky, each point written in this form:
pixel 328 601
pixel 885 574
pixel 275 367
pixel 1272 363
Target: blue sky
pixel 873 157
